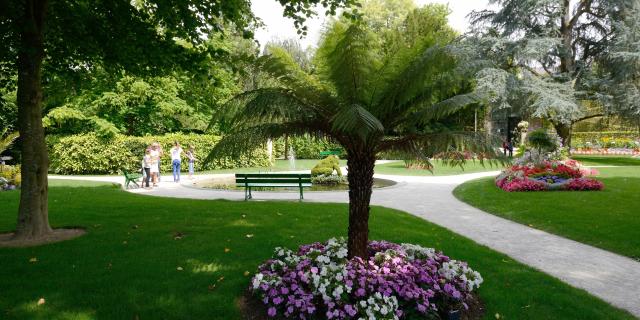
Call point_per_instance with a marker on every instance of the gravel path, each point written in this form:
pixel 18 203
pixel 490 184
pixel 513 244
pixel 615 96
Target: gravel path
pixel 613 278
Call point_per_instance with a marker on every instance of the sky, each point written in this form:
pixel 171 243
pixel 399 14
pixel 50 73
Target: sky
pixel 282 28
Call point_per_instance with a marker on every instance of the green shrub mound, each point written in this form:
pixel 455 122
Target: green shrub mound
pixel 90 154
pixel 326 167
pixel 323 172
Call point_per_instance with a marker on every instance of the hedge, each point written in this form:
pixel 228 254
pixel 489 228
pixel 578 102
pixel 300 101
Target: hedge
pixel 90 154
pixel 611 139
pixel 305 147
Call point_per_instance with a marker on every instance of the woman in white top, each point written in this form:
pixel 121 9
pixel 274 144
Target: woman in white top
pixel 154 161
pixel 176 160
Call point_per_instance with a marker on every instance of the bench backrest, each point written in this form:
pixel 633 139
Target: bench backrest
pixel 275 178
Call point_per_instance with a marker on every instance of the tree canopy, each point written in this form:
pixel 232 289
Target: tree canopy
pixel 147 38
pixel 550 51
pixel 367 98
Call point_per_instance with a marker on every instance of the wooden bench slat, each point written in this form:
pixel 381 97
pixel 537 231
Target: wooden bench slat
pixel 288 180
pixel 273 175
pixel 284 185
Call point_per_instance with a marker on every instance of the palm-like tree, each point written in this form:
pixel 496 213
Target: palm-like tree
pixel 365 100
pixel 7 140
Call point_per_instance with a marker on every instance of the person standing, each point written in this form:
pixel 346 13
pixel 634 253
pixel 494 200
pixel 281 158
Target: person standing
pixel 154 155
pixel 176 153
pixel 146 166
pixel 192 159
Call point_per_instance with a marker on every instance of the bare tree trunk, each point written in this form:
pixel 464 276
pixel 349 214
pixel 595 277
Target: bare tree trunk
pixel 564 131
pixel 488 121
pixel 566 32
pixel 33 216
pixel 360 178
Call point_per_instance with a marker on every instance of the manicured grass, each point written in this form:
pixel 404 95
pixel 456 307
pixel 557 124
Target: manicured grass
pixel 609 219
pixel 397 168
pixel 596 160
pixel 126 266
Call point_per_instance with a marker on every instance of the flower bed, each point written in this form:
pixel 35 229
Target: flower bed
pixel 398 281
pixel 566 175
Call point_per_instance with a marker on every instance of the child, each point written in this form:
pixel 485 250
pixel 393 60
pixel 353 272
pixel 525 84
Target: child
pixel 192 159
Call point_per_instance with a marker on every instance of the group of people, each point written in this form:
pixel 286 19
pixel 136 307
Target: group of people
pixel 151 162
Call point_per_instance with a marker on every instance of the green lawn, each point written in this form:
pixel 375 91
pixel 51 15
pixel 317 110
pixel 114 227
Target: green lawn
pixel 609 219
pixel 597 160
pixel 397 168
pixel 126 267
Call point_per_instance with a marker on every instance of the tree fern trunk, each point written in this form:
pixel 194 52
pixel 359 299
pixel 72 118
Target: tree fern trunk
pixel 360 176
pixel 33 214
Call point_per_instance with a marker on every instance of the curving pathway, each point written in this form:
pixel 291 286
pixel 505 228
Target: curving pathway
pixel 613 278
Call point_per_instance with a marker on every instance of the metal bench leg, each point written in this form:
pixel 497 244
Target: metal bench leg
pixel 301 194
pixel 250 195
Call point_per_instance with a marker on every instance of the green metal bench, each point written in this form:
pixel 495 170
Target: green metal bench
pixel 130 177
pixel 272 180
pixel 334 152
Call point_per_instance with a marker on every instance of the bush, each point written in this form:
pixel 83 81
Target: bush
pixel 541 140
pixel 606 140
pixel 10 175
pixel 90 154
pixel 326 167
pixel 305 147
pixel 328 180
pixel 397 281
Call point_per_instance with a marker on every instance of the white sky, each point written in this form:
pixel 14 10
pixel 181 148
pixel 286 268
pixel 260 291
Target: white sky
pixel 277 26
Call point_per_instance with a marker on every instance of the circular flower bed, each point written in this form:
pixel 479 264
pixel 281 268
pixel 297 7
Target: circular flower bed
pixel 549 175
pixel 397 281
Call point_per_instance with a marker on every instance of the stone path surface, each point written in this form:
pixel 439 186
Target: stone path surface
pixel 612 277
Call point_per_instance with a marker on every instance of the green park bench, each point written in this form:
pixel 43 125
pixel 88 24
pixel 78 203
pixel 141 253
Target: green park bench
pixel 131 177
pixel 332 152
pixel 272 180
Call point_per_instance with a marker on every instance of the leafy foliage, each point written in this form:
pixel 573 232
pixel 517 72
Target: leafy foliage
pixel 367 99
pixel 550 51
pixel 7 139
pixel 91 154
pixel 327 167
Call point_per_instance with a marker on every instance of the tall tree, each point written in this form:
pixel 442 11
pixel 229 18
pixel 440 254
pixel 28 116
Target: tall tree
pixel 367 100
pixel 139 36
pixel 550 48
pixel 622 64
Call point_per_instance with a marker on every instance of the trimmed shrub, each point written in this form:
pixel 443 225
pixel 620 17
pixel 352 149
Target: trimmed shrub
pixel 90 154
pixel 326 167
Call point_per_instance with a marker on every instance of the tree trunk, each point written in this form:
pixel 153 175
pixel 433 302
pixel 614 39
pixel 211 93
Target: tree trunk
pixel 33 216
pixel 488 121
pixel 360 176
pixel 566 32
pixel 564 131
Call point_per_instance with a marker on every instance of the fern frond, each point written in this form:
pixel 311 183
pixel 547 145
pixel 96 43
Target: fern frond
pixel 358 120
